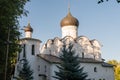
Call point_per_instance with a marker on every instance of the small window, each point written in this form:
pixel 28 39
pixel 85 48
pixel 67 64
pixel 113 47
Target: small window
pixel 42 77
pixel 45 68
pixel 24 51
pixel 18 56
pixel 38 67
pixel 94 56
pixel 33 50
pixel 95 69
pixel 82 54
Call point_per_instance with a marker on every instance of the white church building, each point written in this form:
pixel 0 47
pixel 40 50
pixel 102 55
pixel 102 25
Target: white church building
pixel 43 59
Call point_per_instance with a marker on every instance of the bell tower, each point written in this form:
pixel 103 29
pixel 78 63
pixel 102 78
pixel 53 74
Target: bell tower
pixel 29 50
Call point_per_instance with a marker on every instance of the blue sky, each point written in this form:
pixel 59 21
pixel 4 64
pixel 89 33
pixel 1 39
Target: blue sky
pixel 97 21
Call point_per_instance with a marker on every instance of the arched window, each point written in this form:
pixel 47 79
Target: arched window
pixel 95 69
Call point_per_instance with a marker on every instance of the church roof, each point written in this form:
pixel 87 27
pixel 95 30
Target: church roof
pixel 49 58
pixel 30 39
pixel 69 20
pixel 54 59
pixel 107 65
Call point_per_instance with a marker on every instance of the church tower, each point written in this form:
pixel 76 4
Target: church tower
pixel 30 46
pixel 69 26
pixel 29 50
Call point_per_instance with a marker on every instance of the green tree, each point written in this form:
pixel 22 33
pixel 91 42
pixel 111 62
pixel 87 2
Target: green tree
pixel 69 68
pixel 10 11
pixel 26 73
pixel 100 1
pixel 116 68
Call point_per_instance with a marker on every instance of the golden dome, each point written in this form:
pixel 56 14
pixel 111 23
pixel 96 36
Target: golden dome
pixel 28 28
pixel 69 20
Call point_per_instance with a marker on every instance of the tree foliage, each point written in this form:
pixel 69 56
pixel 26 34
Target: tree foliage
pixel 26 73
pixel 116 68
pixel 69 68
pixel 100 1
pixel 10 11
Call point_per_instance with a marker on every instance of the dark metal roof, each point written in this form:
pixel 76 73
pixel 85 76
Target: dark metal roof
pixel 54 59
pixel 107 65
pixel 89 60
pixel 49 58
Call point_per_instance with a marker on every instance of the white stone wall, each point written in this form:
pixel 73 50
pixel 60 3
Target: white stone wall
pixel 31 58
pixel 102 72
pixel 69 31
pixel 53 68
pixel 43 68
pixel 28 34
pixel 29 43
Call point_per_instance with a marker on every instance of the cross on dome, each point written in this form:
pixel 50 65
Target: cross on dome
pixel 69 20
pixel 28 28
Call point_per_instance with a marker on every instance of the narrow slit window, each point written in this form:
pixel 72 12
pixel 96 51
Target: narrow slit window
pixel 82 54
pixel 38 67
pixel 18 56
pixel 45 68
pixel 33 50
pixel 24 51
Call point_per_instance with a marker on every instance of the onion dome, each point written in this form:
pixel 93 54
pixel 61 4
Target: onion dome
pixel 28 28
pixel 69 20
